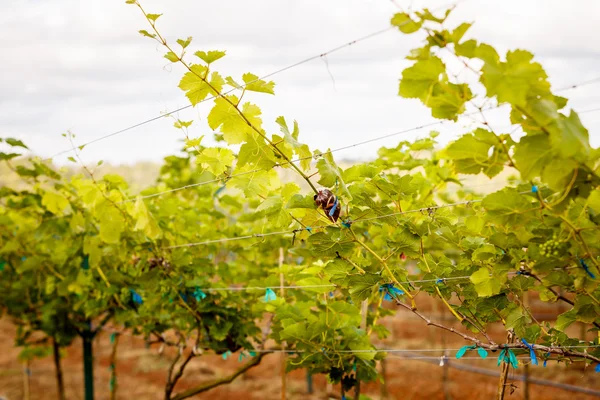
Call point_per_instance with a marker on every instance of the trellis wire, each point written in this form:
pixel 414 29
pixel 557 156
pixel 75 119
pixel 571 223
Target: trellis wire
pixel 304 61
pixel 291 66
pixel 375 139
pixel 260 235
pixel 383 350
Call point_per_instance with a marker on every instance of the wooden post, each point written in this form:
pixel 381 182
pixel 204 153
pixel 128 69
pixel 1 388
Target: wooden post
pixel 505 369
pixel 364 311
pixel 283 345
pixel 26 375
pixel 383 387
pixel 113 366
pixel 58 370
pixel 526 371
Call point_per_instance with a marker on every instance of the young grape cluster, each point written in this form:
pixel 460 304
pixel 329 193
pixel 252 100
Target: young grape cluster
pixel 552 247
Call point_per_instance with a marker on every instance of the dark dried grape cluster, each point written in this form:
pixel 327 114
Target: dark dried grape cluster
pixel 329 202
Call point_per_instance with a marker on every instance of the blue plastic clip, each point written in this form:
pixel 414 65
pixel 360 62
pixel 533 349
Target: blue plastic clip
pixel 597 369
pixel 546 359
pixel 532 355
pixel 390 291
pixel 137 299
pixel 270 295
pixel 439 281
pixel 534 189
pixel 219 190
pixel 586 268
pixel 335 206
pixel 347 224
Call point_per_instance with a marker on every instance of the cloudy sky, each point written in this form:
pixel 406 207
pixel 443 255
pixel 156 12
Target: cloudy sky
pixel 81 66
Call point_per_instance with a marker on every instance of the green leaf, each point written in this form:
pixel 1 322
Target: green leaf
pixel 362 286
pixel 144 220
pixel 565 319
pixel 56 203
pixel 532 154
pixel 459 32
pixel 195 87
pixel 586 309
pixel 153 17
pixel 144 32
pixel 419 80
pixel 406 25
pixel 326 245
pixel 15 143
pixel 485 285
pixel 112 224
pixel 593 200
pixel 225 116
pixel 570 139
pixel 513 80
pixel 330 175
pixel 233 83
pixel 216 159
pixel 184 43
pixel 255 84
pixel 300 149
pixel 300 201
pixel 518 320
pixel 8 156
pixel 172 57
pixel 507 207
pixel 251 182
pixel 211 56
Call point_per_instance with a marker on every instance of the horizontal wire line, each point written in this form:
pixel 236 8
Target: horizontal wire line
pixel 329 285
pixel 386 350
pixel 168 113
pixel 375 139
pixel 296 64
pixel 259 235
pixel 301 62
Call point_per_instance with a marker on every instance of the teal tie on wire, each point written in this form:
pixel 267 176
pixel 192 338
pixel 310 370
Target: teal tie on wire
pixel 199 295
pixel 225 355
pixel 508 356
pixel 480 351
pixel 270 295
pixel 532 355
